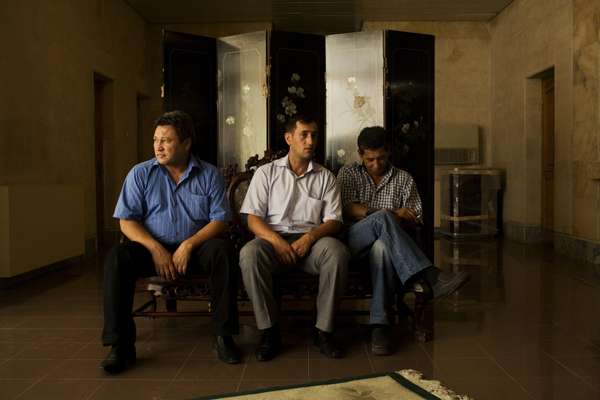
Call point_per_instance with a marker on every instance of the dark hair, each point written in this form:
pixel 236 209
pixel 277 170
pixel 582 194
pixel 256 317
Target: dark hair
pixel 290 124
pixel 373 138
pixel 181 121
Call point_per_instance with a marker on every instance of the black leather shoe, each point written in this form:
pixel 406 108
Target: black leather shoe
pixel 118 359
pixel 270 344
pixel 448 283
pixel 226 350
pixel 327 345
pixel 381 340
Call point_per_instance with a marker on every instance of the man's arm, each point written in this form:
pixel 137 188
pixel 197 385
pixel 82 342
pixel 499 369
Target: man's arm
pixel 184 251
pixel 355 211
pixel 285 252
pixel 218 214
pixel 160 256
pixel 411 210
pixel 352 208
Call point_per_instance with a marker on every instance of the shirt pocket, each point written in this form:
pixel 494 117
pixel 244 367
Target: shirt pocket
pixel 198 207
pixel 312 209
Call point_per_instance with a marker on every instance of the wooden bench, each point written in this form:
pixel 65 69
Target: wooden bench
pixel 294 287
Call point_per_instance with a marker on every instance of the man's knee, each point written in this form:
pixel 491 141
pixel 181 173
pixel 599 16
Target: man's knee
pixel 379 256
pixel 383 215
pixel 335 251
pixel 221 248
pixel 251 253
pixel 120 256
pixel 378 250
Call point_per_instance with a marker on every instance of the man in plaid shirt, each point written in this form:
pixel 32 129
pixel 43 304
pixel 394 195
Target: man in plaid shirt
pixel 379 198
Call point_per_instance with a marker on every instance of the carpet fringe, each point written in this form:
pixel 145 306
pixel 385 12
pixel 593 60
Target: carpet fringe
pixel 434 387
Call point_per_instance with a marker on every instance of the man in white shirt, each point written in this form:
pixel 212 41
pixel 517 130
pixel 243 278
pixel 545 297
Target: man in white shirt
pixel 294 208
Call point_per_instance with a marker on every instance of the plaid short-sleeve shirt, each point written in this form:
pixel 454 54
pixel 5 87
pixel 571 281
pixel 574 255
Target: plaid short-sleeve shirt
pixel 396 190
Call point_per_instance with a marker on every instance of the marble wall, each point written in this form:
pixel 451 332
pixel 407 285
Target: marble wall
pixel 529 37
pixel 586 119
pixel 50 53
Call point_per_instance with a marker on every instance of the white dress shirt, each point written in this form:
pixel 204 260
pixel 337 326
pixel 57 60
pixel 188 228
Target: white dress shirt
pixel 293 204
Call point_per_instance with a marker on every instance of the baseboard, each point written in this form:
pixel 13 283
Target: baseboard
pixel 577 248
pixel 69 263
pixel 524 233
pixel 568 245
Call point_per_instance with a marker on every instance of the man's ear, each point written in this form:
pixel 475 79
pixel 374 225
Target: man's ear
pixel 188 144
pixel 288 137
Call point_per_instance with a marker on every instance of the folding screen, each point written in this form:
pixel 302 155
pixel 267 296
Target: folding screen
pixel 296 83
pixel 262 78
pixel 190 76
pixel 355 80
pixel 384 78
pixel 242 97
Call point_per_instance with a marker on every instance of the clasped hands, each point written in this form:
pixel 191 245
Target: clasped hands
pixel 170 266
pixel 290 253
pixel 405 215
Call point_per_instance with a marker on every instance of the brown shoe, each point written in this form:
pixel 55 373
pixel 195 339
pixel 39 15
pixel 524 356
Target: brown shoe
pixel 381 340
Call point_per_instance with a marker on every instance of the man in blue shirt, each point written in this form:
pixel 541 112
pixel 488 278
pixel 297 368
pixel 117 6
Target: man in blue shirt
pixel 173 210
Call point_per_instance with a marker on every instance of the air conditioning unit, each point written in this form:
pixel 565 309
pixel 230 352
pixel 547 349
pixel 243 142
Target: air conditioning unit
pixel 457 144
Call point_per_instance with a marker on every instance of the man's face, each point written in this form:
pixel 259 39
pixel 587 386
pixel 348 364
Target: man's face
pixel 303 140
pixel 375 161
pixel 169 151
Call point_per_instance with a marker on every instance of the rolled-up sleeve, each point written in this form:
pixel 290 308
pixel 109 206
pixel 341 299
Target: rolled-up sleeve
pixel 413 200
pixel 257 197
pixel 347 187
pixel 131 199
pixel 332 210
pixel 218 204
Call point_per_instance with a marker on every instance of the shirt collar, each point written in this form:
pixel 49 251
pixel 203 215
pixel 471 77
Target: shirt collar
pixel 284 162
pixel 193 163
pixel 386 177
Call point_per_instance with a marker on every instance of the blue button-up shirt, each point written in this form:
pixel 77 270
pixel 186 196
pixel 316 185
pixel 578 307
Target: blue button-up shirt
pixel 172 212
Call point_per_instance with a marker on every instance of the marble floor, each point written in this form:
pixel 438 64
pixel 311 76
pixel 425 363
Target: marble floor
pixel 526 326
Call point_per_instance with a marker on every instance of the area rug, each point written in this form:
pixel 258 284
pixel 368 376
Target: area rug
pixel 400 385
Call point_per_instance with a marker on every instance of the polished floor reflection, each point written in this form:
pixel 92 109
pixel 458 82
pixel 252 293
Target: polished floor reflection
pixel 526 326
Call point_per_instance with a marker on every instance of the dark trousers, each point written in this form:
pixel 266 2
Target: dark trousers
pixel 129 261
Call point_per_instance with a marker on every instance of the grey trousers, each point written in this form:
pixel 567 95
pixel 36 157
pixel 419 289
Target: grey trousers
pixel 328 258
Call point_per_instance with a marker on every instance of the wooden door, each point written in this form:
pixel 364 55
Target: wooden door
pixel 548 153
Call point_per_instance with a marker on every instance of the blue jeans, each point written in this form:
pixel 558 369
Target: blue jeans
pixel 391 253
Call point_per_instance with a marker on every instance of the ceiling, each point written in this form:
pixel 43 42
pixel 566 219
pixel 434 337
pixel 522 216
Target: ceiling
pixel 318 16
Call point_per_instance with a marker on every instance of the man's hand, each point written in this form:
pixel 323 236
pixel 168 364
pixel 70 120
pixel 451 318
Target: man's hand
pixel 302 245
pixel 163 263
pixel 406 214
pixel 181 257
pixel 285 252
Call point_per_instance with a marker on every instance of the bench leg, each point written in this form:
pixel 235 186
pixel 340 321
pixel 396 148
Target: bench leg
pixel 423 318
pixel 171 305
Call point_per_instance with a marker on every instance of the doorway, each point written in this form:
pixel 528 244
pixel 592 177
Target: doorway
pixel 103 104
